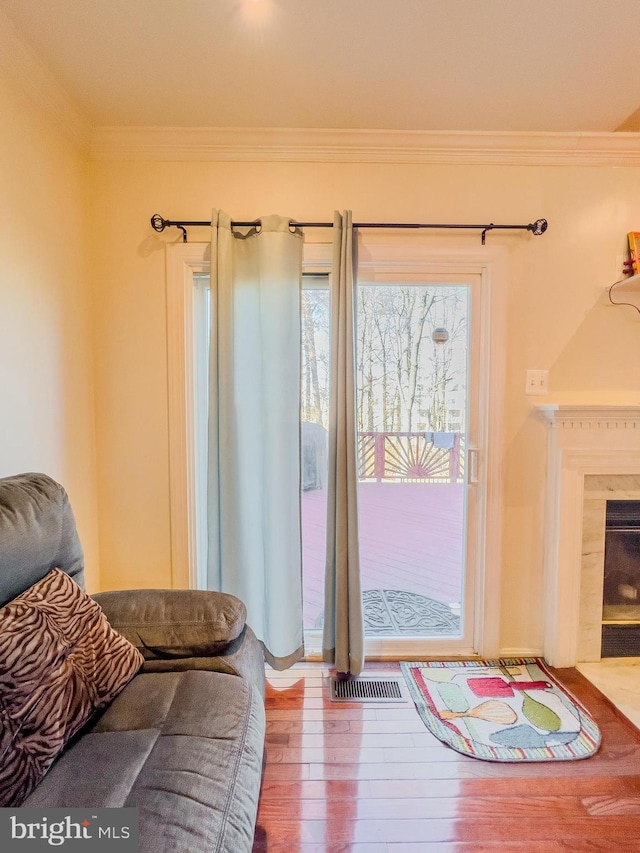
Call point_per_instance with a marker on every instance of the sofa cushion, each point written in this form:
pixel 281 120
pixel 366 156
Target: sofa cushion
pixel 185 748
pixel 174 623
pixel 60 660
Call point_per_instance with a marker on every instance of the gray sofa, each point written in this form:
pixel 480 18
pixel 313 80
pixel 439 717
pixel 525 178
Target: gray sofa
pixel 183 742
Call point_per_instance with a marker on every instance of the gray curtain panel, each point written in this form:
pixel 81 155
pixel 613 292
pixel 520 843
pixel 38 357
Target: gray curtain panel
pixel 253 490
pixel 343 633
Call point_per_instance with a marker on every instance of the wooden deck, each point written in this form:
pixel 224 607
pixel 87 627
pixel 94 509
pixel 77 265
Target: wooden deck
pixel 411 539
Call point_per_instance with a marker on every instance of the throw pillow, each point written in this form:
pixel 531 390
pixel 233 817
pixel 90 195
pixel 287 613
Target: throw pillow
pixel 60 661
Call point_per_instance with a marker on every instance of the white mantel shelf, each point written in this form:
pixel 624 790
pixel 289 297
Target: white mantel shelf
pixel 578 416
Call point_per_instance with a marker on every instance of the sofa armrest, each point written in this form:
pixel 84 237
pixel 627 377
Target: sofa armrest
pixel 243 657
pixel 174 623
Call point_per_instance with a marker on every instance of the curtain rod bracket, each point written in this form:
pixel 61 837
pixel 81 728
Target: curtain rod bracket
pixel 159 224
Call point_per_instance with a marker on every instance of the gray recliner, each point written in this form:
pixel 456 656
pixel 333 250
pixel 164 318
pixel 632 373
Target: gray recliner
pixel 183 742
pixel 37 534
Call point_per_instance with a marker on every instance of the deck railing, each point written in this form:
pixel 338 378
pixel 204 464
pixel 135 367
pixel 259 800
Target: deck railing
pixel 411 456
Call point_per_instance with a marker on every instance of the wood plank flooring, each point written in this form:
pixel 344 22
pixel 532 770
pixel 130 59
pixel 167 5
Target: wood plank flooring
pixel 370 778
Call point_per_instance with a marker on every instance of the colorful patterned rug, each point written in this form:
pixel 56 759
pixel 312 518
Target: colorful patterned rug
pixel 501 710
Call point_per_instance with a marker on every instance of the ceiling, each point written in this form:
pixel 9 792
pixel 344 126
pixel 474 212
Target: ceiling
pixel 472 65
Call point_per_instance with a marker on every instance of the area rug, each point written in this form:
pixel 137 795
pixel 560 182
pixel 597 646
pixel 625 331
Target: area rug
pixel 501 710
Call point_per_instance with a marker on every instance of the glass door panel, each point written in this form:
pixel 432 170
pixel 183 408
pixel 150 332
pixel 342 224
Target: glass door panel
pixel 412 404
pixel 314 423
pixel 411 401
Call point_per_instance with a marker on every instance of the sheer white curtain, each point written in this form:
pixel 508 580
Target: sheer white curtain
pixel 343 631
pixel 253 492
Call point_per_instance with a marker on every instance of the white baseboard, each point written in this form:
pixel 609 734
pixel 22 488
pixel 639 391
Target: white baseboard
pixel 521 653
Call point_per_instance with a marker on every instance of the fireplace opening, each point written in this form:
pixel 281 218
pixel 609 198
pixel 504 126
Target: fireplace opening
pixel 621 589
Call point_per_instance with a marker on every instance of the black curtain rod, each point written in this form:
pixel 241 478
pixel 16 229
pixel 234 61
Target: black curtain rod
pixel 538 227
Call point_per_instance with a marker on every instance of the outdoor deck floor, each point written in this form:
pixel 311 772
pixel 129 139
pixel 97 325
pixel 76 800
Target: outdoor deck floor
pixel 411 539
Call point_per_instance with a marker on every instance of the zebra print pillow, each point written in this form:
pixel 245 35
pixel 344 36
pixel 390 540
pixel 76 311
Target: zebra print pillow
pixel 60 661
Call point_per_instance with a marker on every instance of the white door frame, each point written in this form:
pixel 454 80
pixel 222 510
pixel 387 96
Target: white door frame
pixel 184 261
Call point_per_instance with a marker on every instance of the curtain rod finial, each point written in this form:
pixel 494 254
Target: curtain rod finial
pixel 158 223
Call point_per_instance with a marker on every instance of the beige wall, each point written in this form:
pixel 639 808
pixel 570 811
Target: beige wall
pixel 558 318
pixel 46 382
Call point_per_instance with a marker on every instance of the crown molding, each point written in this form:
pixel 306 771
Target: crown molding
pixel 312 145
pixel 23 67
pixel 319 145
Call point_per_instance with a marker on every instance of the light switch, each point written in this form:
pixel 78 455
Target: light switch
pixel 537 382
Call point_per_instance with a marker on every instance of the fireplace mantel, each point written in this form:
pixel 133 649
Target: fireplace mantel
pixel 565 416
pixel 583 440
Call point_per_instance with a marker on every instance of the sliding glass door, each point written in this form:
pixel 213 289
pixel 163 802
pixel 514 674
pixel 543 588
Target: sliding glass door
pixel 429 361
pixel 414 419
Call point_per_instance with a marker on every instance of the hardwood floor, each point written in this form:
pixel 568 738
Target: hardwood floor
pixel 370 778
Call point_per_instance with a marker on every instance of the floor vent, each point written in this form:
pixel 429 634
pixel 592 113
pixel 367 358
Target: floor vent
pixel 366 690
pixel 620 641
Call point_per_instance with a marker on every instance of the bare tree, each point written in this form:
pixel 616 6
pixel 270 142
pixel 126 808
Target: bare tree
pixel 446 362
pixel 400 324
pixel 315 319
pixel 402 375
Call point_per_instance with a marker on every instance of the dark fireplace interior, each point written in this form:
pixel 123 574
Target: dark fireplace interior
pixel 621 592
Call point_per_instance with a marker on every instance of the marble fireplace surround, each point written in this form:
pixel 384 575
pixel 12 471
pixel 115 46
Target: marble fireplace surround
pixel 593 455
